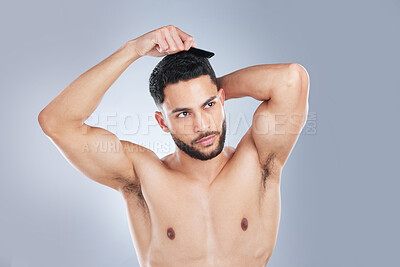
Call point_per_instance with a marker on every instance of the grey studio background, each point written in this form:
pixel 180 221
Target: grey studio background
pixel 339 187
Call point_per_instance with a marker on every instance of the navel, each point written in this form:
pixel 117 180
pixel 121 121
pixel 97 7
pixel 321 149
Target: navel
pixel 244 224
pixel 171 233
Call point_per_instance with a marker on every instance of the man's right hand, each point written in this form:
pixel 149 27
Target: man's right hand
pixel 163 41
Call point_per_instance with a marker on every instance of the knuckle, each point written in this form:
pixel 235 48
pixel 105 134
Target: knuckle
pixel 158 34
pixel 173 30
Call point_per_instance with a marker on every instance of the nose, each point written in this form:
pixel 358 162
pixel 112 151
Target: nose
pixel 201 123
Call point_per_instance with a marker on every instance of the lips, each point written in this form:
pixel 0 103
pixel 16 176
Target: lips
pixel 205 139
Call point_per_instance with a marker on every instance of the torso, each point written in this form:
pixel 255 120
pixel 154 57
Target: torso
pixel 177 221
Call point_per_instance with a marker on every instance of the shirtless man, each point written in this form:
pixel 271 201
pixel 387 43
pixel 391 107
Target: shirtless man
pixel 205 204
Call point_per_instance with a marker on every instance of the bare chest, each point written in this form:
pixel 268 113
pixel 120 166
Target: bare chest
pixel 228 220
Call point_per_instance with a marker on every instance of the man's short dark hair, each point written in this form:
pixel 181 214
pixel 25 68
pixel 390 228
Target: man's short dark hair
pixel 181 66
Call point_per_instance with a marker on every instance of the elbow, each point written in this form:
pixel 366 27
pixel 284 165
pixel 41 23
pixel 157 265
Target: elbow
pixel 294 74
pixel 52 125
pixel 300 80
pixel 45 123
pixel 298 75
pixel 42 121
pixel 305 88
pixel 297 68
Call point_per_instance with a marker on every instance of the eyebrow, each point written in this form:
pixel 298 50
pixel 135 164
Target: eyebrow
pixel 185 109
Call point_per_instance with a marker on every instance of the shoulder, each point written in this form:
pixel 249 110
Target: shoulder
pixel 138 153
pixel 144 160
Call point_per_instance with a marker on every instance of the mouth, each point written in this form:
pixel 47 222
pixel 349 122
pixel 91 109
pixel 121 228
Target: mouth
pixel 206 140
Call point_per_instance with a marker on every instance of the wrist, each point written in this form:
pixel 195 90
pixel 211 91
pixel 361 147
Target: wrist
pixel 130 48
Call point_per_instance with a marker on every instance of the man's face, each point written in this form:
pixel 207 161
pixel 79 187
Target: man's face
pixel 193 110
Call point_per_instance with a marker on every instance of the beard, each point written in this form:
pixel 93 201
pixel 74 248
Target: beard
pixel 193 152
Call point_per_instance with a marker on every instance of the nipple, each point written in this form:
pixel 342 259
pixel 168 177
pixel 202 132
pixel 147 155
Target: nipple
pixel 244 224
pixel 170 233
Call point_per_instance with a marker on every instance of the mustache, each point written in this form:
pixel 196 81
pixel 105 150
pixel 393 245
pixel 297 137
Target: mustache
pixel 205 135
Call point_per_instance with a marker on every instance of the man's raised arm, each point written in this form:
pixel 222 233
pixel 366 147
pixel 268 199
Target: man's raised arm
pixel 279 119
pixel 63 118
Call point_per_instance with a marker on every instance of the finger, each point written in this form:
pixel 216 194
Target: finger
pixel 170 41
pixel 162 43
pixel 177 38
pixel 188 43
pixel 187 39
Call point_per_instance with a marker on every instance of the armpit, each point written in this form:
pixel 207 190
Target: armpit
pixel 266 167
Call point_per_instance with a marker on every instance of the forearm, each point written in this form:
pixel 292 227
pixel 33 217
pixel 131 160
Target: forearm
pixel 259 81
pixel 77 101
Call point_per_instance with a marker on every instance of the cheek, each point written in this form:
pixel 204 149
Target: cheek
pixel 217 119
pixel 183 126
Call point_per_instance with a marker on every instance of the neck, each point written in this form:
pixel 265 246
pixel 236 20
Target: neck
pixel 204 171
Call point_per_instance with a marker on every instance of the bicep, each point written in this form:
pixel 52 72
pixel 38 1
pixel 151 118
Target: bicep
pixel 278 122
pixel 97 153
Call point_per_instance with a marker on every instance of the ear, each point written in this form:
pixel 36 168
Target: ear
pixel 221 96
pixel 161 121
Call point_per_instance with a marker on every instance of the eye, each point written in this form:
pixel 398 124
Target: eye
pixel 179 115
pixel 213 103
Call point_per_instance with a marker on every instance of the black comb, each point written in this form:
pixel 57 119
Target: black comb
pixel 200 52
